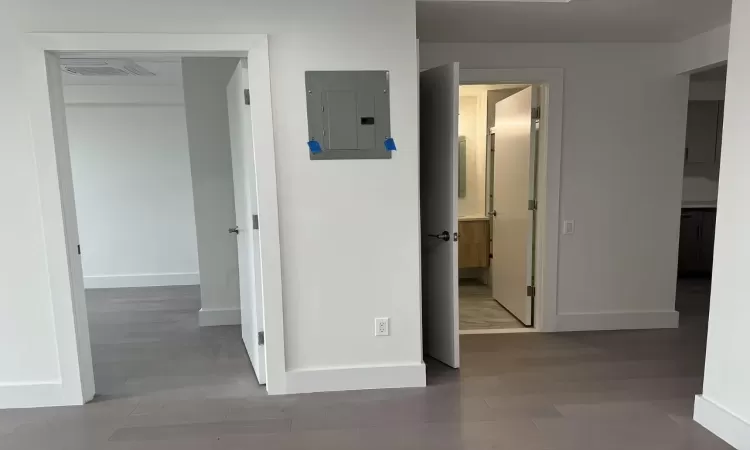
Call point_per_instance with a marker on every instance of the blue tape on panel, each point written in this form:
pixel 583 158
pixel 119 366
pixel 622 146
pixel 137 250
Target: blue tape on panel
pixel 314 146
pixel 390 144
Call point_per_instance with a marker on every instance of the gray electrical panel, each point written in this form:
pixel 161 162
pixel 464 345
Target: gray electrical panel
pixel 348 114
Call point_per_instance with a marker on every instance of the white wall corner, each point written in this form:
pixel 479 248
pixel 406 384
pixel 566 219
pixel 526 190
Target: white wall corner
pixel 639 320
pixel 141 280
pixel 356 378
pixel 219 316
pixel 722 423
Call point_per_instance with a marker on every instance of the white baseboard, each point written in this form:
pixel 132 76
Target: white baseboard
pixel 141 280
pixel 640 320
pixel 355 378
pixel 34 395
pixel 722 423
pixel 219 316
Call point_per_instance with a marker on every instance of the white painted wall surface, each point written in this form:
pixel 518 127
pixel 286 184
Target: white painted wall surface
pixel 205 84
pixel 700 184
pixel 724 407
pixel 623 142
pixel 470 120
pixel 704 50
pixel 28 348
pixel 342 266
pixel 707 90
pixel 134 202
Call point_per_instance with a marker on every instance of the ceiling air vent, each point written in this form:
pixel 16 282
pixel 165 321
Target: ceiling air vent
pixel 93 67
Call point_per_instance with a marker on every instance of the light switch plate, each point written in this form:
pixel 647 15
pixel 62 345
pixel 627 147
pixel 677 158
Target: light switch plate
pixel 569 227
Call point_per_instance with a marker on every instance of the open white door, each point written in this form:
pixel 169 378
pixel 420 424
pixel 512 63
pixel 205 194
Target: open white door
pixel 514 192
pixel 439 211
pixel 246 210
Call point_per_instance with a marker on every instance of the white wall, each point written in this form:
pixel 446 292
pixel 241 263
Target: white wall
pixel 700 184
pixel 623 143
pixel 704 50
pixel 707 90
pixel 205 84
pixel 131 176
pixel 471 118
pixel 342 266
pixel 724 407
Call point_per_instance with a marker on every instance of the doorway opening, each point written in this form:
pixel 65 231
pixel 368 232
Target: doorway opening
pixel 164 186
pixel 490 145
pixel 703 139
pixel 497 197
pixel 44 69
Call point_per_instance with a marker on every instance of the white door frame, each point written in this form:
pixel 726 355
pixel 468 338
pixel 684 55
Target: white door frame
pixel 58 210
pixel 548 178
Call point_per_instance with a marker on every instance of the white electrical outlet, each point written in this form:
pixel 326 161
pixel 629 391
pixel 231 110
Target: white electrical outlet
pixel 569 227
pixel 382 326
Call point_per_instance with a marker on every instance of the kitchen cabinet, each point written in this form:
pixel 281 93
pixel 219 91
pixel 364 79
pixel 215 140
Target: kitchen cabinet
pixel 696 253
pixel 703 136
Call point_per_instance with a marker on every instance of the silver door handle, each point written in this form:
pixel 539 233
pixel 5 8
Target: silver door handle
pixel 234 230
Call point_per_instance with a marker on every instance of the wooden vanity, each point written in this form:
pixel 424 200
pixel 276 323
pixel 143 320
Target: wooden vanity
pixel 474 242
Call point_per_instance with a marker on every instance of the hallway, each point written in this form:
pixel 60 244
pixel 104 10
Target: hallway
pixel 169 385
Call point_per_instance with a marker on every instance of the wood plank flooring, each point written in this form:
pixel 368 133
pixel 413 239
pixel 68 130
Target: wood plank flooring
pixel 479 311
pixel 166 384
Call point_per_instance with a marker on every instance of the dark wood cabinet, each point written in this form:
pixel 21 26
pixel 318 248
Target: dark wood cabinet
pixel 696 254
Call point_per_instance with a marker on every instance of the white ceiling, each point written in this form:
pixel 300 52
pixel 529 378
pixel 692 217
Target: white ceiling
pixel 577 21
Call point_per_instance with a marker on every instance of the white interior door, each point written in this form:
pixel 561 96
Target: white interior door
pixel 514 187
pixel 439 211
pixel 246 210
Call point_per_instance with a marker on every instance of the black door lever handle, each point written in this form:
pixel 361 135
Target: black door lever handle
pixel 444 236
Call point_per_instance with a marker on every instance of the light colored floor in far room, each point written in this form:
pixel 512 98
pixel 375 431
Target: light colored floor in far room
pixel 479 311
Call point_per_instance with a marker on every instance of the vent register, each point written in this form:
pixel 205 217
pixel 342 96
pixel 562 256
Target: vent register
pixel 95 67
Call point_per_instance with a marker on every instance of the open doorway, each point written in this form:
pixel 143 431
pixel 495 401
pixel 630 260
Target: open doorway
pixel 489 191
pixel 165 200
pixel 705 118
pixel 59 217
pixel 498 147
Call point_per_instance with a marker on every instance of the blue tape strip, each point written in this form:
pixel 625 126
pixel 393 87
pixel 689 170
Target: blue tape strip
pixel 314 146
pixel 390 145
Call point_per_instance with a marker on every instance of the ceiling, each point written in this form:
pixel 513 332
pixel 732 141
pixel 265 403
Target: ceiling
pixel 577 21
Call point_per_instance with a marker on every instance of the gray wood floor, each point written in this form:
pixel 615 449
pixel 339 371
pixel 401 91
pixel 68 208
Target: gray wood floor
pixel 167 384
pixel 479 311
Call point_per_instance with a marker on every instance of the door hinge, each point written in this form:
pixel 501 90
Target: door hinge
pixel 255 222
pixel 532 205
pixel 530 291
pixel 247 96
pixel 536 113
pixel 79 248
pixel 261 337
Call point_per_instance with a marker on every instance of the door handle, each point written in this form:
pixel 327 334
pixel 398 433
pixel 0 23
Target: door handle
pixel 234 230
pixel 444 236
